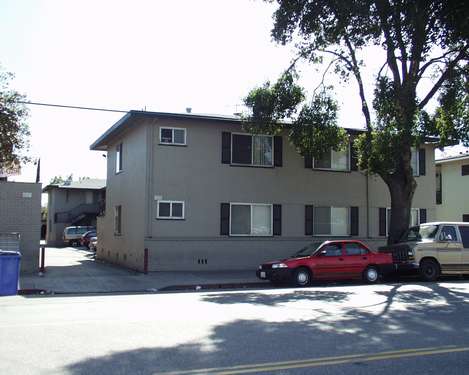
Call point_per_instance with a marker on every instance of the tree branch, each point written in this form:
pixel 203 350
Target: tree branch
pixel 433 61
pixel 442 79
pixel 383 12
pixel 324 74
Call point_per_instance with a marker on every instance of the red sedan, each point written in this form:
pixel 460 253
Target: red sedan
pixel 331 260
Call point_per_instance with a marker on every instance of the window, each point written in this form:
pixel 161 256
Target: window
pixel 250 219
pixel 334 250
pixel 170 210
pixel 334 160
pixel 448 234
pixel 438 184
pixel 256 150
pixel 173 136
pixel 355 249
pixel 118 220
pixel 464 232
pixel 465 170
pixel 330 221
pixel 119 158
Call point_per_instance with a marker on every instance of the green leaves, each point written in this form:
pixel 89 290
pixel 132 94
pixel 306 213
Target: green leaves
pixel 313 132
pixel 14 132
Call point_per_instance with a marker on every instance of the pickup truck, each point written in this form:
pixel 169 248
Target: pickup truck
pixel 432 249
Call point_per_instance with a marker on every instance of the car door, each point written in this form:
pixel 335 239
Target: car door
pixel 464 232
pixel 329 262
pixel 449 249
pixel 355 259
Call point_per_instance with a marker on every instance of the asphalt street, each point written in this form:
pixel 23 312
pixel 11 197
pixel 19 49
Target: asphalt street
pixel 412 328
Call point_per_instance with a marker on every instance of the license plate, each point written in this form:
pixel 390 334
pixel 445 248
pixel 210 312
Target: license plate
pixel 262 275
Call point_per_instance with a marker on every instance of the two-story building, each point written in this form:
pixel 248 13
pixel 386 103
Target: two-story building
pixel 200 193
pixel 72 203
pixel 452 188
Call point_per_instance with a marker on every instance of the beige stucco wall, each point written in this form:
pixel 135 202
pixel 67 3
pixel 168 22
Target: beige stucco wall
pixel 194 174
pixel 20 211
pixel 128 189
pixel 455 192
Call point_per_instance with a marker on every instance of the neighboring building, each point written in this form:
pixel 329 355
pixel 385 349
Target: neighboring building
pixel 199 193
pixel 20 212
pixel 452 188
pixel 72 203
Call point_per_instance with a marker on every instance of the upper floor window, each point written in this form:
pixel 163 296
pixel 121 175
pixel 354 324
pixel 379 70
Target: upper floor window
pixel 170 210
pixel 334 160
pixel 256 150
pixel 119 158
pixel 173 136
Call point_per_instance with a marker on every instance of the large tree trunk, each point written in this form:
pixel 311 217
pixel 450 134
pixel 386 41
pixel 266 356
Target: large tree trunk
pixel 402 188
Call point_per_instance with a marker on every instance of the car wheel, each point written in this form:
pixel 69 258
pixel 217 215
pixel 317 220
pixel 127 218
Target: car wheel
pixel 429 270
pixel 302 277
pixel 371 275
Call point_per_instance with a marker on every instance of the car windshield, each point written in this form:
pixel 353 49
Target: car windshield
pixel 420 232
pixel 307 250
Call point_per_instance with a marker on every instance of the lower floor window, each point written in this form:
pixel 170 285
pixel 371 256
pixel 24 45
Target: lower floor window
pixel 330 221
pixel 250 219
pixel 170 210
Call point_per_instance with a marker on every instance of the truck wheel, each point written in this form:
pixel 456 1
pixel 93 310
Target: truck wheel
pixel 302 277
pixel 429 270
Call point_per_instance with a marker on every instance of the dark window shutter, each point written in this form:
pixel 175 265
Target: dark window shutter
pixel 465 170
pixel 225 219
pixel 382 221
pixel 242 149
pixel 353 157
pixel 308 161
pixel 423 215
pixel 422 169
pixel 278 151
pixel 277 219
pixel 354 221
pixel 465 218
pixel 226 147
pixel 309 220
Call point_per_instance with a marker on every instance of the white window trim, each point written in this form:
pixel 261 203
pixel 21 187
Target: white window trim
pixel 334 235
pixel 170 217
pixel 119 158
pixel 252 150
pixel 388 209
pixel 254 204
pixel 172 131
pixel 333 169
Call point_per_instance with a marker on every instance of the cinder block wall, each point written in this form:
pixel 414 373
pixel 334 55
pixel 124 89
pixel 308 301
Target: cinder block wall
pixel 20 211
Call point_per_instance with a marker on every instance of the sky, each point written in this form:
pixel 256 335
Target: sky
pixel 154 55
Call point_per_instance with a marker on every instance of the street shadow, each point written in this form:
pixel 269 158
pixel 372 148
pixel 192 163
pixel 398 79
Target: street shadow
pixel 320 334
pixel 260 298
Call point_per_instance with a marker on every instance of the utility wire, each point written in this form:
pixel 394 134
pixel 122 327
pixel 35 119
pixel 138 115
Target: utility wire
pixel 73 107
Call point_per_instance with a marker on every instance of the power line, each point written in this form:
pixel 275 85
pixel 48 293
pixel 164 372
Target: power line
pixel 73 107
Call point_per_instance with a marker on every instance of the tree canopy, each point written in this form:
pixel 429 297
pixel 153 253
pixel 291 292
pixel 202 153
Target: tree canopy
pixel 423 41
pixel 14 131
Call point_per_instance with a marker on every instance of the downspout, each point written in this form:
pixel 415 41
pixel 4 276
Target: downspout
pixel 367 205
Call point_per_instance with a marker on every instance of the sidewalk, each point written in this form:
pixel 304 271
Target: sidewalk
pixel 71 270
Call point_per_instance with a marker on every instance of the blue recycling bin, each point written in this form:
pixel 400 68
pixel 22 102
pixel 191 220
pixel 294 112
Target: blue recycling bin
pixel 9 272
